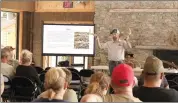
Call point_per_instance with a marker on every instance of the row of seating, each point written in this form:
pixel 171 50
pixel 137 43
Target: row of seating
pixel 19 89
pixel 79 82
pixel 173 81
pixel 14 89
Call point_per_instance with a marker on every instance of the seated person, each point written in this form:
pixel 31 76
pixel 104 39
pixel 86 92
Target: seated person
pixel 13 62
pixel 70 95
pixel 151 91
pixel 2 86
pixel 6 69
pixel 99 84
pixel 129 59
pixel 164 83
pixel 63 63
pixel 55 86
pixel 26 70
pixel 122 81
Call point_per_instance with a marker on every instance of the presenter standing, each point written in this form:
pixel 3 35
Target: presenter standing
pixel 115 48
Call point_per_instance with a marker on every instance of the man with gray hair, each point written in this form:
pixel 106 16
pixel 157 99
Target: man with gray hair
pixel 115 48
pixel 6 69
pixel 13 62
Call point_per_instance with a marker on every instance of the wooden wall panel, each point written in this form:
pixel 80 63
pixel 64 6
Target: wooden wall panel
pixel 57 6
pixel 17 6
pixel 57 18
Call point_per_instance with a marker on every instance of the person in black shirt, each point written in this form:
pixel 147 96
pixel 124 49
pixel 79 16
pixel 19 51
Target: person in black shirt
pixel 164 83
pixel 151 91
pixel 55 85
pixel 26 70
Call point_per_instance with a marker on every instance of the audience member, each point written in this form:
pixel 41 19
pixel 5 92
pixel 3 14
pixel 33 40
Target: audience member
pixel 63 63
pixel 2 85
pixel 11 60
pixel 55 85
pixel 6 69
pixel 151 91
pixel 70 95
pixel 164 83
pixel 26 70
pixel 99 84
pixel 122 82
pixel 129 59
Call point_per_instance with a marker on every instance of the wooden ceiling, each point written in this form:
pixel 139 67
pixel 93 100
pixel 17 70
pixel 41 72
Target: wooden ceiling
pixel 47 6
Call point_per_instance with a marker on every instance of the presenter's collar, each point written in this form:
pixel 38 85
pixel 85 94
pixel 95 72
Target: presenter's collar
pixel 116 41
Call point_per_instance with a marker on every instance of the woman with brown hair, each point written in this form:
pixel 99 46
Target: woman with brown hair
pixel 99 85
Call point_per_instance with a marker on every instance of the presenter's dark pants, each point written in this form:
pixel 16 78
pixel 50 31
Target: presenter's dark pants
pixel 112 64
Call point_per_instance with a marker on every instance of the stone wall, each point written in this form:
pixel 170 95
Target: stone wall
pixel 156 29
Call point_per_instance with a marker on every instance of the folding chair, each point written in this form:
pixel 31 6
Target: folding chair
pixel 42 78
pixel 23 89
pixel 6 96
pixel 85 76
pixel 73 70
pixel 76 83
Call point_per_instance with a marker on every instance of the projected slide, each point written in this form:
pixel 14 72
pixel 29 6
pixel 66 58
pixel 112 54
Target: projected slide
pixel 68 39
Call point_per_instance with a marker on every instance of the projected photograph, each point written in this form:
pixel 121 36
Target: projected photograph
pixel 81 40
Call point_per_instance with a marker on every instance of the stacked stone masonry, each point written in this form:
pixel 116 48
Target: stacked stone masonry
pixel 148 28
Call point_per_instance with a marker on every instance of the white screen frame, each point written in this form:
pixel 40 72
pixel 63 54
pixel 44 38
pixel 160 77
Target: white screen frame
pixel 69 54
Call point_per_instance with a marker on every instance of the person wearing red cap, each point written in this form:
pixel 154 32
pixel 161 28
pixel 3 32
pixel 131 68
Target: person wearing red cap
pixel 115 48
pixel 122 81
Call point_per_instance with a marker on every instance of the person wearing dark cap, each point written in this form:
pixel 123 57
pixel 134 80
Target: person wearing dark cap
pixel 115 48
pixel 153 73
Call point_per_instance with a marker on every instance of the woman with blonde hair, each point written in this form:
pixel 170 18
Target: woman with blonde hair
pixel 99 85
pixel 26 70
pixel 55 85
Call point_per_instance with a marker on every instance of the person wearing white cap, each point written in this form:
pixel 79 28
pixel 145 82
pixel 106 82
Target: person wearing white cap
pixel 115 48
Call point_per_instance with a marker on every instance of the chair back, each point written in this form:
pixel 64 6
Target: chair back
pixel 42 77
pixel 86 73
pixel 85 76
pixel 7 89
pixel 176 79
pixel 172 83
pixel 39 69
pixel 7 82
pixel 73 70
pixel 76 83
pixel 171 76
pixel 23 86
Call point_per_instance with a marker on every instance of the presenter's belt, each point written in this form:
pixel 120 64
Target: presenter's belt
pixel 121 61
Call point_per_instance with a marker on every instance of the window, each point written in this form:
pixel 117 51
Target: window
pixel 80 60
pixel 9 30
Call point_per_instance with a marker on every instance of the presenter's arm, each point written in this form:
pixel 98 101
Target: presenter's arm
pixel 127 44
pixel 98 42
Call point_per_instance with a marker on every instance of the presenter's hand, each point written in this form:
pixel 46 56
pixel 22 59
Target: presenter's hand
pixel 97 38
pixel 127 38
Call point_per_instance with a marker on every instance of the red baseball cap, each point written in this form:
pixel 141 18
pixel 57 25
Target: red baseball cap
pixel 123 75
